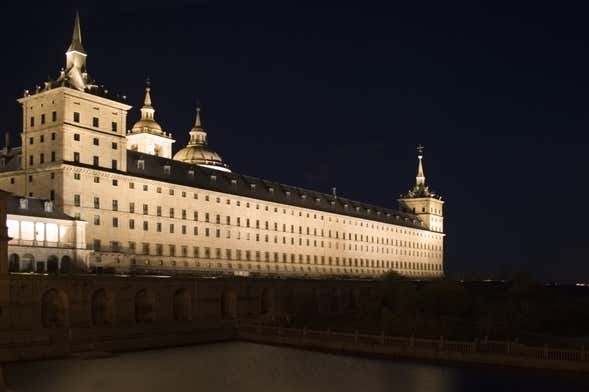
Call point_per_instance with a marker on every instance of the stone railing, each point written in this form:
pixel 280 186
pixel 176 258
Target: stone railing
pixel 478 351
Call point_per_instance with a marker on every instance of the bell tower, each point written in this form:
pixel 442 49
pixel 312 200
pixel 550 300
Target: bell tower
pixel 427 205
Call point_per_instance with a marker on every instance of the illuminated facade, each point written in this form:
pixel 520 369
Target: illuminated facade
pixel 148 210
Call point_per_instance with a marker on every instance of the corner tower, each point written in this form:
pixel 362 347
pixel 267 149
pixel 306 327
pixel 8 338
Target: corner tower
pixel 427 205
pixel 147 135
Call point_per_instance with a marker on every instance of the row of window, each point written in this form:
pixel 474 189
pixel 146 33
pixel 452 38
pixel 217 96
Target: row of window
pixel 276 257
pixel 75 118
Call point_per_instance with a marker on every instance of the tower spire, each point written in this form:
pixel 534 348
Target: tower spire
pixel 147 99
pixel 76 45
pixel 420 178
pixel 197 121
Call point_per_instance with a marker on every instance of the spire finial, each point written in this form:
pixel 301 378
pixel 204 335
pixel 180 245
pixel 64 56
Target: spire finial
pixel 420 178
pixel 197 121
pixel 147 100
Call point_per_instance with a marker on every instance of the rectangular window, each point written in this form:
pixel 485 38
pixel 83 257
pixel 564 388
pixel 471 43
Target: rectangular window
pixel 95 160
pixel 145 209
pixel 52 135
pixel 114 164
pixel 77 176
pixel 31 159
pixel 115 146
pixel 159 249
pixel 32 121
pixel 42 138
pixel 95 141
pixel 52 156
pixel 76 200
pixel 42 158
pixel 97 245
pixel 113 126
pixel 131 224
pixel 131 207
pixel 97 220
pixel 114 246
pixel 76 117
pixel 145 248
pixel 54 116
pixel 132 247
pixel 76 157
pixel 115 222
pixel 95 122
pixel 158 227
pixel 171 212
pixel 115 205
pixel 115 182
pixel 31 140
pixel 172 250
pixel 159 211
pixel 96 202
pixel 171 228
pixel 76 137
pixel 145 226
pixel 43 119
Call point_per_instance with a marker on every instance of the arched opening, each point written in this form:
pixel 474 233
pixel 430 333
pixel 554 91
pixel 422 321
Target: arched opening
pixel 102 308
pixel 182 305
pixel 54 309
pixel 66 264
pixel 27 263
pixel 52 265
pixel 144 306
pixel 13 263
pixel 267 301
pixel 229 304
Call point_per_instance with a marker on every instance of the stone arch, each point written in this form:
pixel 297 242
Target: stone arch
pixel 229 304
pixel 52 264
pixel 102 308
pixel 54 309
pixel 66 264
pixel 13 263
pixel 267 301
pixel 144 306
pixel 28 262
pixel 182 305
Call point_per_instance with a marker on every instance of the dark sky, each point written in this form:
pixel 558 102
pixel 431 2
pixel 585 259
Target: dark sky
pixel 339 95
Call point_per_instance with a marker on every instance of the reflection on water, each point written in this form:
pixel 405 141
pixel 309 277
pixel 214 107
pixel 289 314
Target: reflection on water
pixel 252 367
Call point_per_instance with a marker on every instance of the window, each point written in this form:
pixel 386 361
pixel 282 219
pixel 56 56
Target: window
pixel 131 185
pixel 171 228
pixel 114 246
pixel 97 245
pixel 132 246
pixel 77 176
pixel 158 227
pixel 43 119
pixel 97 180
pixel 32 121
pixel 76 200
pixel 132 224
pixel 53 116
pixel 145 209
pixel 145 248
pixel 115 205
pixel 171 212
pixel 145 226
pixel 42 138
pixel 115 146
pixel 96 202
pixel 77 137
pixel 95 122
pixel 113 126
pixel 95 141
pixel 159 211
pixel 115 222
pixel 183 214
pixel 145 188
pixel 76 157
pixel 76 117
pixel 115 182
pixel 95 160
pixel 114 164
pixel 97 220
pixel 159 249
pixel 131 207
pixel 172 250
pixel 42 158
pixel 31 159
pixel 141 164
pixel 52 135
pixel 52 156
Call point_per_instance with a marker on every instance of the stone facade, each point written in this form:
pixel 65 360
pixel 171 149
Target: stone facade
pixel 198 217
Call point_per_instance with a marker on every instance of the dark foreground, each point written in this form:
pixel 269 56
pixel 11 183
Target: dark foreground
pixel 237 366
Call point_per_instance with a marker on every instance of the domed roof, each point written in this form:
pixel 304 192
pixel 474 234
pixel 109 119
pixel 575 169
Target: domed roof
pixel 197 152
pixel 147 123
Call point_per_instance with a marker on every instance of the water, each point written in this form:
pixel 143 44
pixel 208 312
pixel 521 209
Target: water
pixel 253 367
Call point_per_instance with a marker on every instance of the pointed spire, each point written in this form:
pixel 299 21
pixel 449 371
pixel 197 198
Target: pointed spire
pixel 147 100
pixel 197 122
pixel 420 178
pixel 76 45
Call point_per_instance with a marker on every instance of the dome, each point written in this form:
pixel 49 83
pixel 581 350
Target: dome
pixel 198 152
pixel 146 125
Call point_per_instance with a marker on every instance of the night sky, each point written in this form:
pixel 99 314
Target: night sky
pixel 338 95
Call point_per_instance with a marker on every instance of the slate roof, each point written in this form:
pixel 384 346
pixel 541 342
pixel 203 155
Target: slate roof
pixel 35 207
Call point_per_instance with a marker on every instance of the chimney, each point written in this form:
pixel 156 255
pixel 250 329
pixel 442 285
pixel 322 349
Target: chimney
pixel 7 142
pixel 334 192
